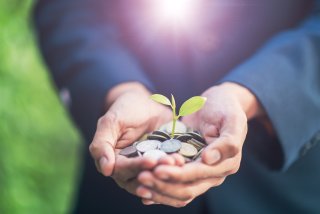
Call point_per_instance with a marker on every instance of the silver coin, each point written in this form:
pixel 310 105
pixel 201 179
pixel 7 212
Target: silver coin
pixel 188 150
pixel 180 127
pixel 157 137
pixel 183 137
pixel 198 155
pixel 129 151
pixel 196 142
pixel 162 133
pixel 171 146
pixel 147 145
pixel 197 136
pixel 154 154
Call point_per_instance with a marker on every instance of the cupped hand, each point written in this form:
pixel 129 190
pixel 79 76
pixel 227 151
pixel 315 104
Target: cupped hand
pixel 131 113
pixel 223 123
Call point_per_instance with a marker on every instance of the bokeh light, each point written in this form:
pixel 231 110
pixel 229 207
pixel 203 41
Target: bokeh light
pixel 174 12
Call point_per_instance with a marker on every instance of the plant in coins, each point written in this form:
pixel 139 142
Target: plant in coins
pixel 190 106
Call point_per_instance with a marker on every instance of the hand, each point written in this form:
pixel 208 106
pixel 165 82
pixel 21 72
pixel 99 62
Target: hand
pixel 127 169
pixel 223 122
pixel 131 114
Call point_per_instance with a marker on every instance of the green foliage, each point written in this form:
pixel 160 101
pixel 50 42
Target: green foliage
pixel 190 106
pixel 161 99
pixel 38 144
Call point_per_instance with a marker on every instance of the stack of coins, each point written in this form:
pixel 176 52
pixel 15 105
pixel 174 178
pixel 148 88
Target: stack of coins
pixel 159 143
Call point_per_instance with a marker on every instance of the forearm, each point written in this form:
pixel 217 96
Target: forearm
pixel 284 76
pixel 85 55
pixel 246 99
pixel 122 88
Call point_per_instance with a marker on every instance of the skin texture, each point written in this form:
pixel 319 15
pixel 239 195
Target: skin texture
pixel 131 114
pixel 169 181
pixel 223 122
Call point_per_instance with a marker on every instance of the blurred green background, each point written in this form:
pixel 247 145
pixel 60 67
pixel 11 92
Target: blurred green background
pixel 39 146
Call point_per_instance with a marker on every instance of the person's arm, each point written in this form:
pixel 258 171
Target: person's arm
pixel 285 78
pixel 81 46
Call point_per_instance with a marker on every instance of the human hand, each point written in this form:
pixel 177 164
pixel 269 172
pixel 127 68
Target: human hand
pixel 131 114
pixel 223 122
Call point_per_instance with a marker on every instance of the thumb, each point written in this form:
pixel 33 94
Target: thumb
pixel 232 135
pixel 103 143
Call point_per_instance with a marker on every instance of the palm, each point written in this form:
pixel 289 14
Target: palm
pixel 137 115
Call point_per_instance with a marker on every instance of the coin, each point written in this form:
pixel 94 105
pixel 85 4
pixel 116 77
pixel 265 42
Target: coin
pixel 143 137
pixel 162 133
pixel 171 146
pixel 197 155
pixel 154 154
pixel 183 137
pixel 196 136
pixel 129 151
pixel 198 146
pixel 180 127
pixel 196 143
pixel 147 145
pixel 157 137
pixel 188 150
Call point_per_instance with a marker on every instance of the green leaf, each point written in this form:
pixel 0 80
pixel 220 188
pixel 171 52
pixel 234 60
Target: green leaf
pixel 192 105
pixel 173 101
pixel 160 99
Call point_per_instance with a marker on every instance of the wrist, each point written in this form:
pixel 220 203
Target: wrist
pixel 122 88
pixel 246 98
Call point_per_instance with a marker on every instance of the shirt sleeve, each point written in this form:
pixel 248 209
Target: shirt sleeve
pixel 81 45
pixel 285 77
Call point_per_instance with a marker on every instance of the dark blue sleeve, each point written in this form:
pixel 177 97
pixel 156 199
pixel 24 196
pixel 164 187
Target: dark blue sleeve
pixel 285 77
pixel 81 45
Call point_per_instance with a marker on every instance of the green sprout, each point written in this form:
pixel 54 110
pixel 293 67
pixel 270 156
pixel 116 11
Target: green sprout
pixel 190 106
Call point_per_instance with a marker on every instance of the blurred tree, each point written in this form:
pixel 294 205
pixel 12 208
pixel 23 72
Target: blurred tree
pixel 38 145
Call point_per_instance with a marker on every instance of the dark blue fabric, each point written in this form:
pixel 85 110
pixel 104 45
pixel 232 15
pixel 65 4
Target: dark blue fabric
pixel 285 77
pixel 270 47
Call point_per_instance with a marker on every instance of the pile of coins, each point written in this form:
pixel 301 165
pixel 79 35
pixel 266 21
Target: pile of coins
pixel 157 144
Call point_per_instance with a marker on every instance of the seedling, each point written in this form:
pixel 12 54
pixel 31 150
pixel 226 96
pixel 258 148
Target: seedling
pixel 190 106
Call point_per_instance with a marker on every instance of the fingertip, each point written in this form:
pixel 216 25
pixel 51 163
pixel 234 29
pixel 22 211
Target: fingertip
pixel 143 192
pixel 167 160
pixel 163 172
pixel 144 176
pixel 148 202
pixel 148 163
pixel 106 166
pixel 179 160
pixel 211 156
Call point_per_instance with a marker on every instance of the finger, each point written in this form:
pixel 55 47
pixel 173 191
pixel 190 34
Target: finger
pixel 105 160
pixel 158 198
pixel 131 134
pixel 197 170
pixel 128 168
pixel 129 186
pixel 179 191
pixel 167 160
pixel 229 143
pixel 209 130
pixel 234 125
pixel 173 159
pixel 221 149
pixel 148 202
pixel 179 160
pixel 102 146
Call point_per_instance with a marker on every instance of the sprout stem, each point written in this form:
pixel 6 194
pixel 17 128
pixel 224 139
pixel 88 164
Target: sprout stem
pixel 174 120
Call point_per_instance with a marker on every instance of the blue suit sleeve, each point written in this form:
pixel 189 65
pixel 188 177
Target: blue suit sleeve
pixel 285 77
pixel 81 45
